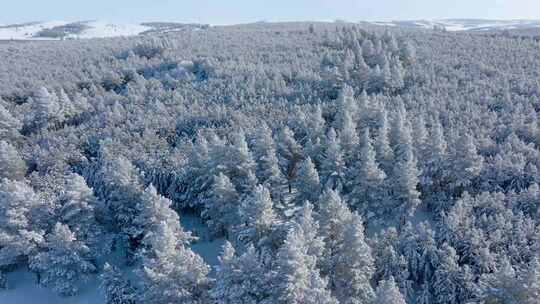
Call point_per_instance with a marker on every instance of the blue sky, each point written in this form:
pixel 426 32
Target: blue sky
pixel 241 11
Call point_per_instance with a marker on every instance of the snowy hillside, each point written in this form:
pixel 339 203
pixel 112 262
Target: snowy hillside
pixel 464 24
pixel 54 30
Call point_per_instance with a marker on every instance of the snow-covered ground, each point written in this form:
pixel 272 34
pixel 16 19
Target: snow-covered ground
pixel 94 29
pixel 26 31
pixel 100 29
pixel 24 290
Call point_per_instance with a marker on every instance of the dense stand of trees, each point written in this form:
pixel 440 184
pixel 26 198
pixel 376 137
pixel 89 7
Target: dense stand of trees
pixel 342 165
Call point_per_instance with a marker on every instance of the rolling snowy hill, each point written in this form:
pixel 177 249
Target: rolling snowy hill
pixel 464 24
pixel 56 30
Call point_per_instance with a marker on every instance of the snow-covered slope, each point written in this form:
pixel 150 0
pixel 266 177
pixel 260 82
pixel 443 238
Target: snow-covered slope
pixel 464 24
pixel 26 30
pixel 54 30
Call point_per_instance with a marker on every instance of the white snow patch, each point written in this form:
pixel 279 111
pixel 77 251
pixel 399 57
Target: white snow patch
pixel 28 31
pixel 207 247
pixel 100 29
pixel 24 290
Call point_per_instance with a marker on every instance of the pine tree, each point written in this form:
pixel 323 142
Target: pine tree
pixel 389 262
pixel 404 178
pixel 290 153
pixel 64 262
pixel 449 281
pixel 397 72
pixel 119 184
pixel 346 105
pixel 21 223
pixel 78 211
pixel 241 279
pixel 348 137
pixel 310 227
pixel 388 293
pixel 115 287
pixel 221 209
pixel 9 125
pixel 315 124
pixel 509 284
pixel 466 163
pixel 239 163
pixel 267 170
pixel 354 265
pixel 405 184
pixel 12 166
pixel 531 278
pixel 347 259
pixel 333 214
pixel 171 272
pixel 298 278
pixel 153 211
pixel 45 109
pixel 366 178
pixel 257 215
pixel 333 164
pixel 307 183
pixel 434 159
pixel 425 296
pixel 385 154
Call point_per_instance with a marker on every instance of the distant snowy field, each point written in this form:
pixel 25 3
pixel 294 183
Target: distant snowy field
pixel 56 30
pixel 456 25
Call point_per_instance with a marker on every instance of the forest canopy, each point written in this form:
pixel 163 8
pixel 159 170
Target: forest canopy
pixel 341 164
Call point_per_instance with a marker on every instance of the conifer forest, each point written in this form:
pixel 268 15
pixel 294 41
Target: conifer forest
pixel 333 163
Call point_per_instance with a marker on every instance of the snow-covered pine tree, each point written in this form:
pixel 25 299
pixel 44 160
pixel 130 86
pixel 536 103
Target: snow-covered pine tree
pixel 239 163
pixel 450 282
pixel 78 210
pixel 385 154
pixel 12 166
pixel 366 178
pixel 221 209
pixel 22 220
pixel 171 272
pixel 434 159
pixel 63 264
pixel 153 211
pixel 404 177
pixel 298 280
pixel 290 153
pixel 241 279
pixel 307 183
pixel 353 267
pixel 119 185
pixel 310 227
pixel 9 125
pixel 466 163
pixel 116 288
pixel 257 215
pixel 333 214
pixel 333 165
pixel 267 169
pixel 45 109
pixel 348 136
pixel 346 106
pixel 388 293
pixel 347 260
